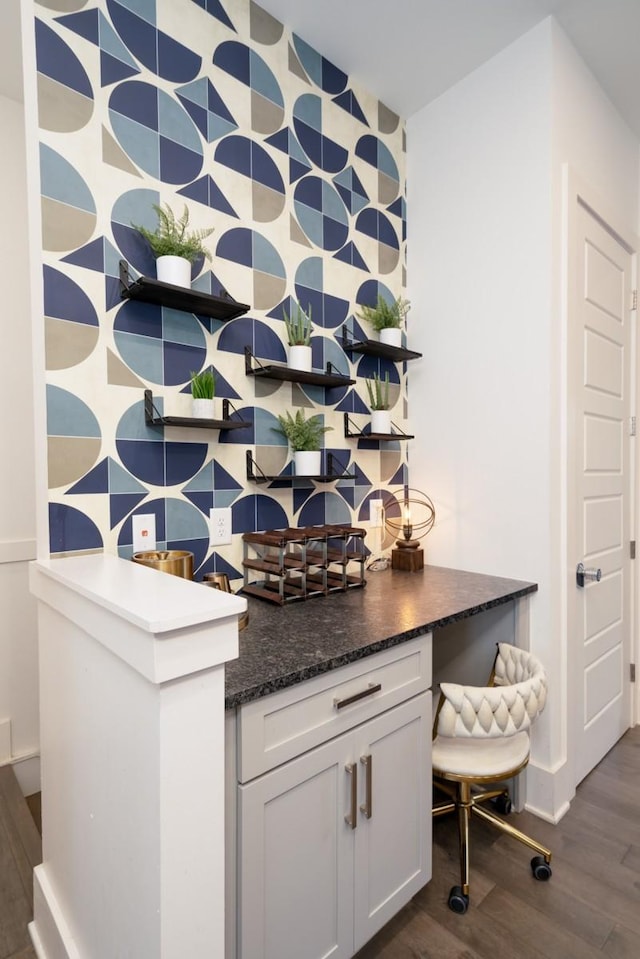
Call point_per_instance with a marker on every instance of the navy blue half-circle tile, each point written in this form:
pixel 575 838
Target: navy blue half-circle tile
pixel 70 530
pixel 236 245
pixel 264 170
pixel 157 507
pixel 235 153
pixel 144 459
pixel 134 248
pixel 177 163
pixel 234 58
pixel 313 513
pixel 55 59
pixel 334 157
pixel 180 360
pixel 183 461
pixel 333 79
pixel 65 300
pixel 137 101
pixel 373 223
pixel 310 140
pixel 198 547
pixel 217 564
pixel 368 291
pixel 176 62
pixel 201 499
pixel 95 481
pixel 333 234
pixel 144 319
pixel 243 437
pixel 309 192
pixel 215 8
pixel 120 504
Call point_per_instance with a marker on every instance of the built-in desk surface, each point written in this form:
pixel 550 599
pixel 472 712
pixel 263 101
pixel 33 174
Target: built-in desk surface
pixel 283 646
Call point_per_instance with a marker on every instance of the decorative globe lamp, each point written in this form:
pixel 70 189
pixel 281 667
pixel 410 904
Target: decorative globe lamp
pixel 414 519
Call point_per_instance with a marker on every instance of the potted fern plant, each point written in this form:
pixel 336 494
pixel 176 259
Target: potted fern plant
pixel 304 435
pixel 174 246
pixel 378 391
pixel 203 391
pixel 298 326
pixel 387 319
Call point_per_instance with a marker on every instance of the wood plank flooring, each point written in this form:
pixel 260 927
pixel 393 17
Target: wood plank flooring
pixel 589 909
pixel 20 851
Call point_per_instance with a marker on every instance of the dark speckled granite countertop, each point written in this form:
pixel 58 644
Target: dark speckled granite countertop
pixel 283 646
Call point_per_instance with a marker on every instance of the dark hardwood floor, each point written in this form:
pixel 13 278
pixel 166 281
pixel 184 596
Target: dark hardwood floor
pixel 589 909
pixel 20 851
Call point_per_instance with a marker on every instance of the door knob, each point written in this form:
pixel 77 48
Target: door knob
pixel 590 574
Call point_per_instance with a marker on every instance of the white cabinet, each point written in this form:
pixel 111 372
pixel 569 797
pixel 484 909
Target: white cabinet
pixel 333 842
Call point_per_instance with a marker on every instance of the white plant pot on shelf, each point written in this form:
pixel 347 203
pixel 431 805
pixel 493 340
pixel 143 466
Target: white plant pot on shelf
pixel 307 462
pixel 299 358
pixel 391 336
pixel 381 421
pixel 202 409
pixel 174 269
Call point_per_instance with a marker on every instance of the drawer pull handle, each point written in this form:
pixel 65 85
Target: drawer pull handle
pixel 367 805
pixel 369 691
pixel 351 818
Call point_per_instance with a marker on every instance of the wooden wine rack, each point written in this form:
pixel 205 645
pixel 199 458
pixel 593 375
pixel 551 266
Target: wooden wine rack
pixel 300 563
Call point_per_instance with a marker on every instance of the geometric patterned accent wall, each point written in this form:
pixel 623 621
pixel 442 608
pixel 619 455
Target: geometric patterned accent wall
pixel 212 104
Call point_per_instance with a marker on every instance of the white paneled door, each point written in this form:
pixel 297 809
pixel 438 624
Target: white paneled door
pixel 599 490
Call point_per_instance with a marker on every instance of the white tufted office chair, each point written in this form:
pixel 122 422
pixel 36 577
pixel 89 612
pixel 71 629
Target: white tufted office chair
pixel 481 736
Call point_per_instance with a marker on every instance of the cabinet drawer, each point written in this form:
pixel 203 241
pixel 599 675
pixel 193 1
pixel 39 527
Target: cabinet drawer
pixel 276 728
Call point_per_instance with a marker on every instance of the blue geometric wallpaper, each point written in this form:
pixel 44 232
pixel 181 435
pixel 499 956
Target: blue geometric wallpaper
pixel 215 105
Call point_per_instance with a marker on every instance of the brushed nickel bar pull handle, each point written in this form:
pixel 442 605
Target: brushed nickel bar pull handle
pixel 352 818
pixel 367 805
pixel 369 691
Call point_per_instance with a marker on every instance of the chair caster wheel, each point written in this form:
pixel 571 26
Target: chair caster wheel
pixel 540 868
pixel 458 902
pixel 502 804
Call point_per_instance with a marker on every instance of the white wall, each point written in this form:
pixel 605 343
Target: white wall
pixel 486 402
pixel 18 638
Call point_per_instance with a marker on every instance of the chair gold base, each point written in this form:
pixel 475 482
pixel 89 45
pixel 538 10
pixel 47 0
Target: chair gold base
pixel 466 803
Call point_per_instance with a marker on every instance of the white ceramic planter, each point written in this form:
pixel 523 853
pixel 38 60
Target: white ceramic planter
pixel 299 358
pixel 380 421
pixel 307 462
pixel 391 336
pixel 203 409
pixel 174 269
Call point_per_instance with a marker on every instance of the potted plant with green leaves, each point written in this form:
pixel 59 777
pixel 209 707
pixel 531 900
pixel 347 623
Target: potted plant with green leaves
pixel 203 391
pixel 387 318
pixel 305 436
pixel 298 327
pixel 174 245
pixel 378 391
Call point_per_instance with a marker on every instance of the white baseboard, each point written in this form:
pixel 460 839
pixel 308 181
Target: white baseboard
pixel 549 791
pixel 49 931
pixel 5 741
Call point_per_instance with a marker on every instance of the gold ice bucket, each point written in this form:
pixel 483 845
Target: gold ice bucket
pixel 178 562
pixel 221 581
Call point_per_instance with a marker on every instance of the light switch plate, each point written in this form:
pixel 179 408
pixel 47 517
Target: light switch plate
pixel 144 532
pixel 376 507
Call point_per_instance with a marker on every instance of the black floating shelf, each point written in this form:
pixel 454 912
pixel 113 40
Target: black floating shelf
pixel 352 432
pixel 375 348
pixel 255 474
pixel 149 290
pixel 153 418
pixel 275 372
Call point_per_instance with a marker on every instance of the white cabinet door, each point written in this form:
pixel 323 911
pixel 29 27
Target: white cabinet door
pixel 310 886
pixel 296 859
pixel 393 837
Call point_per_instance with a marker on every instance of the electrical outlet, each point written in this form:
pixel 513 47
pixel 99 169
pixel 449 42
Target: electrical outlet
pixel 220 526
pixel 376 507
pixel 143 528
